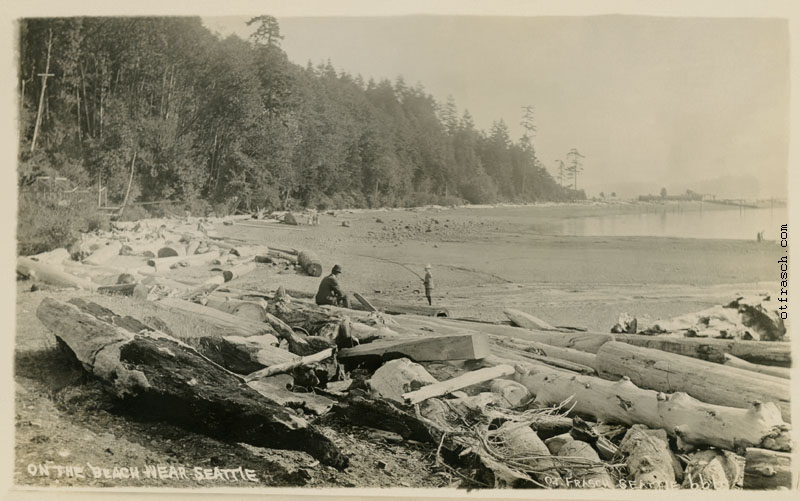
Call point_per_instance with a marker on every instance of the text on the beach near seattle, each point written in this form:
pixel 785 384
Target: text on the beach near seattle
pixel 783 297
pixel 146 472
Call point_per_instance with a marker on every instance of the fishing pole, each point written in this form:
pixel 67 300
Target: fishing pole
pixel 393 262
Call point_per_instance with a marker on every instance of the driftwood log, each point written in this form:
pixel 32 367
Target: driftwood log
pixel 225 322
pixel 651 464
pixel 158 377
pixel 51 274
pixel 693 421
pixel 765 469
pixel 310 263
pixel 733 361
pixel 706 381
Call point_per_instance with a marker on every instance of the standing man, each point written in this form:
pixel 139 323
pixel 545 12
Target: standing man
pixel 428 284
pixel 329 291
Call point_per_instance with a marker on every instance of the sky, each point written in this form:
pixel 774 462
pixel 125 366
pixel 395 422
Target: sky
pixel 651 102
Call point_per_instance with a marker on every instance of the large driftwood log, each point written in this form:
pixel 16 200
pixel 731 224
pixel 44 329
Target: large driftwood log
pixel 225 322
pixel 765 469
pixel 781 372
pixel 161 263
pixel 567 354
pixel 525 356
pixel 526 320
pixel 584 341
pixel 693 421
pixel 394 308
pixel 310 263
pixel 51 274
pixel 397 377
pixel 706 381
pixel 239 270
pixel 158 377
pixel 250 310
pixel 242 355
pixel 55 256
pixel 651 464
pixel 103 254
pixel 713 350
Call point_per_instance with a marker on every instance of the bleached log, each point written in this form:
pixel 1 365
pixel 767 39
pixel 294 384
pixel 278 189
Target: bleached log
pixel 764 469
pixel 584 341
pixel 712 469
pixel 651 464
pixel 568 354
pixel 713 350
pixel 706 381
pixel 525 356
pixel 272 388
pixel 163 379
pixel 781 372
pixel 513 393
pixel 191 260
pixel 519 440
pixel 288 366
pixel 250 310
pixel 51 274
pixel 457 383
pixel 397 377
pixel 590 477
pixel 238 271
pixel 526 320
pixel 103 254
pixel 225 322
pixel 191 247
pixel 693 421
pixel 55 256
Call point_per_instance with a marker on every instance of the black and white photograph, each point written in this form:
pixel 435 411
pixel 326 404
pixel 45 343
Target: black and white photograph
pixel 371 248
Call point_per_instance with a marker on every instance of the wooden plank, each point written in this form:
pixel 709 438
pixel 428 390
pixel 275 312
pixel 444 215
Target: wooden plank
pixel 457 383
pixel 422 349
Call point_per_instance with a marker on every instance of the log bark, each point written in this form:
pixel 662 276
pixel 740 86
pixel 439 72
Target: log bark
pixel 781 372
pixel 463 381
pixel 51 274
pixel 765 469
pixel 651 464
pixel 288 366
pixel 226 323
pixel 527 321
pixel 309 403
pixel 310 263
pixel 157 377
pixel 706 381
pixel 242 355
pixel 420 349
pixel 693 421
pixel 103 254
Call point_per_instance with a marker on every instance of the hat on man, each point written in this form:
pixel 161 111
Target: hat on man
pixel 428 267
pixel 336 269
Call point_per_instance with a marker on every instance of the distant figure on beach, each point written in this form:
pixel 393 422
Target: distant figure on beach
pixel 428 284
pixel 329 291
pixel 760 236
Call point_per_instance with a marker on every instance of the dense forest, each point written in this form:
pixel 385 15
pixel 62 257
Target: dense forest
pixel 233 124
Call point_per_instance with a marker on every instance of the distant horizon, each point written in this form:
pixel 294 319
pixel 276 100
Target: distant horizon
pixel 671 100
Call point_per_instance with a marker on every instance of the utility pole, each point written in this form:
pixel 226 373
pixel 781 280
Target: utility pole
pixel 41 96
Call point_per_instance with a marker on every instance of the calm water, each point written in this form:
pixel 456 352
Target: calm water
pixel 731 223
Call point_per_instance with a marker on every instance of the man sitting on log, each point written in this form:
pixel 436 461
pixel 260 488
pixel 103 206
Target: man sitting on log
pixel 329 291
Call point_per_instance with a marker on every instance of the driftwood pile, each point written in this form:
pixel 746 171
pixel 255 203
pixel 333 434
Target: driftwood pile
pixel 531 405
pixel 504 406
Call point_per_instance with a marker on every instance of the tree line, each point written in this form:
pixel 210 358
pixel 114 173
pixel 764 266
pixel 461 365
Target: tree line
pixel 162 109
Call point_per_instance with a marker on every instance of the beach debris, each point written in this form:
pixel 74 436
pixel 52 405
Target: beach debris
pixel 626 324
pixel 429 348
pixel 765 469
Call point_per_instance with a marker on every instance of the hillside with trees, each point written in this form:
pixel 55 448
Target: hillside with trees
pixel 162 109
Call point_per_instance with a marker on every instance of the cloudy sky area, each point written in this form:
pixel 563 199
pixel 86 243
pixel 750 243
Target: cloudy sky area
pixel 683 103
